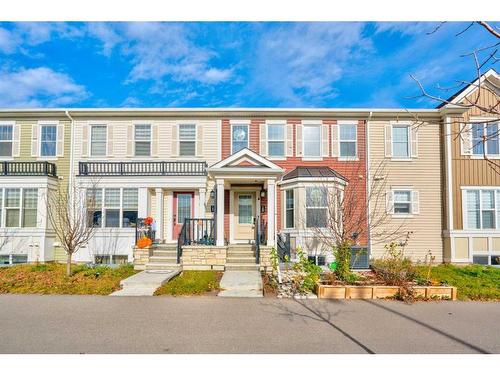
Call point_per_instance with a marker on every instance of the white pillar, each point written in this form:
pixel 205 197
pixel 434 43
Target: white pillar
pixel 170 218
pixel 271 212
pixel 159 214
pixel 143 203
pixel 201 202
pixel 220 213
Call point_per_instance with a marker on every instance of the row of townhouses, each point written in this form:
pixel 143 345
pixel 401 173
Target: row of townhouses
pixel 254 176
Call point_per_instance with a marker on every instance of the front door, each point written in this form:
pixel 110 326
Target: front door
pixel 244 216
pixel 182 209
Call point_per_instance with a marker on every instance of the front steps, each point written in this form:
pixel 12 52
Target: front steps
pixel 241 258
pixel 164 258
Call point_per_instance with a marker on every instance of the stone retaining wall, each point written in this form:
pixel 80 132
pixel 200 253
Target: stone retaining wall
pixel 204 257
pixel 141 257
pixel 265 258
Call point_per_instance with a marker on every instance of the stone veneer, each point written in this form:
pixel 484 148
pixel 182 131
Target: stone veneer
pixel 204 257
pixel 141 257
pixel 265 258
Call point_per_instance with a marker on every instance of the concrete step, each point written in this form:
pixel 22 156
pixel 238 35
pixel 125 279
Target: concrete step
pixel 163 259
pixel 245 259
pixel 240 253
pixel 165 253
pixel 242 267
pixel 162 266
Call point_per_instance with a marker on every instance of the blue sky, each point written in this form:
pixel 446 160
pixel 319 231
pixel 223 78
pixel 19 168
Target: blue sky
pixel 228 64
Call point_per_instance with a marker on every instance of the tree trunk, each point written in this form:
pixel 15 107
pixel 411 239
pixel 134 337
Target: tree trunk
pixel 68 266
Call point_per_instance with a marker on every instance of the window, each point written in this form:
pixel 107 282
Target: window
pixel 289 209
pixel 110 259
pixel 276 140
pixel 401 141
pixel 183 207
pixel 483 209
pixel 20 206
pixel 485 134
pixel 245 209
pixel 48 140
pixel 14 259
pixel 402 201
pixel 312 140
pixel 347 140
pixel 316 207
pixel 187 140
pixel 30 207
pixel 6 140
pixel 12 207
pixel 239 137
pixel 142 140
pixel 98 139
pixel 118 207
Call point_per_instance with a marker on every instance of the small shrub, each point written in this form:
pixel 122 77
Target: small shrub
pixel 342 254
pixel 307 273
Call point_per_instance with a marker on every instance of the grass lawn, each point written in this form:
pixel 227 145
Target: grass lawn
pixel 191 283
pixel 473 282
pixel 52 279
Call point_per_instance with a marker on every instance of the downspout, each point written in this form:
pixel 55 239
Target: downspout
pixel 368 182
pixel 71 151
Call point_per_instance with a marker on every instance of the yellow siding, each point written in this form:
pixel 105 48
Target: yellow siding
pixel 422 174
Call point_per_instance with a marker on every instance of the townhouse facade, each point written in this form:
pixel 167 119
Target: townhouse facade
pixel 216 181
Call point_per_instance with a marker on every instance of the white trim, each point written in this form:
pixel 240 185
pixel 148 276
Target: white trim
pixel 282 123
pixel 13 124
pixel 339 141
pixel 401 124
pixel 231 135
pixel 40 125
pixel 449 172
pixel 311 123
pixel 244 152
pixel 474 86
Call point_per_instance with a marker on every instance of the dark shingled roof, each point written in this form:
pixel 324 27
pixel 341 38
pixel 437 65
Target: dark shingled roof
pixel 312 172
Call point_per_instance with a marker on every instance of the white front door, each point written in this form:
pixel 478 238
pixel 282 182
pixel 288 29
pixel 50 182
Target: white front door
pixel 244 216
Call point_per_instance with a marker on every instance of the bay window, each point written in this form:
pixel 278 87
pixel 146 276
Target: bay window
pixel 312 141
pixel 30 207
pixel 289 208
pixel 316 207
pixel 276 140
pixel 12 207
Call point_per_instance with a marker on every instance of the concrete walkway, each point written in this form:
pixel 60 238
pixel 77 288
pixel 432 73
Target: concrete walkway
pixel 241 284
pixel 144 283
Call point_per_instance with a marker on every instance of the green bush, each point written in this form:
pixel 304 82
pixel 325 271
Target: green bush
pixel 342 254
pixel 308 273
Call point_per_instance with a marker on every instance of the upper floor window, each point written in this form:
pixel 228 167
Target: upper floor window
pixel 289 208
pixel 312 140
pixel 401 141
pixel 98 139
pixel 485 135
pixel 20 206
pixel 48 140
pixel 187 140
pixel 6 132
pixel 142 138
pixel 276 140
pixel 239 137
pixel 112 207
pixel 316 207
pixel 347 140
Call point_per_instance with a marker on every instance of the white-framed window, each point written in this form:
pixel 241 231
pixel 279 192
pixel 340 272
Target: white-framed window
pixel 289 209
pixel 110 259
pixel 348 135
pixel 112 207
pixel 13 259
pixel 187 140
pixel 485 139
pixel 316 206
pixel 48 140
pixel 19 207
pixel 142 139
pixel 311 141
pixel 482 208
pixel 6 139
pixel 402 202
pixel 98 140
pixel 401 141
pixel 239 137
pixel 276 140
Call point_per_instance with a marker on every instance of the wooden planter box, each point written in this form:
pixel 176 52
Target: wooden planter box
pixel 381 291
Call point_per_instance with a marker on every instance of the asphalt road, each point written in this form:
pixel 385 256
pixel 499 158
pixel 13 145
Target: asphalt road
pixel 93 324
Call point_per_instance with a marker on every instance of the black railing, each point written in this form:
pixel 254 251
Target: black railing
pixel 196 232
pixel 257 243
pixel 28 168
pixel 283 246
pixel 142 168
pixel 144 230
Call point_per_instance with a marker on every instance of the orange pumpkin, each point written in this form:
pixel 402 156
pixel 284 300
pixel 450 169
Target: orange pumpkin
pixel 144 242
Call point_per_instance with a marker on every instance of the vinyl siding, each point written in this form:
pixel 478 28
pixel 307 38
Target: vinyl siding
pixel 422 174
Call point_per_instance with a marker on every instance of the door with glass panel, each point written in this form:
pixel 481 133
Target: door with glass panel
pixel 183 208
pixel 244 216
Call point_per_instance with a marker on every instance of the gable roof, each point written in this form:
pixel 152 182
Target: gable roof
pixel 246 159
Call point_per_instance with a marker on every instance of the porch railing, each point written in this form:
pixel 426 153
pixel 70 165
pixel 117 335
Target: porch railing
pixel 142 168
pixel 195 232
pixel 28 168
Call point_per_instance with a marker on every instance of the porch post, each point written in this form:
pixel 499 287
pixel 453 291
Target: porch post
pixel 169 235
pixel 201 202
pixel 271 211
pixel 220 212
pixel 159 214
pixel 143 202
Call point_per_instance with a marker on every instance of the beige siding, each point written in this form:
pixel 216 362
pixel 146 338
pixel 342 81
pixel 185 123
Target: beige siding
pixel 422 174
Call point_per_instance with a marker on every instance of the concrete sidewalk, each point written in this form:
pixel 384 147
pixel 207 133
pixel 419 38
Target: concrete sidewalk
pixel 93 324
pixel 246 284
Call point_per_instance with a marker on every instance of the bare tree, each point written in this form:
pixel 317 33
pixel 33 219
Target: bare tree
pixel 70 213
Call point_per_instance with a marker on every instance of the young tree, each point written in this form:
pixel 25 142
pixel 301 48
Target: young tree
pixel 69 210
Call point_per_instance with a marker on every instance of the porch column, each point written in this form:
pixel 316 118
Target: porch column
pixel 271 212
pixel 159 214
pixel 201 202
pixel 169 235
pixel 143 202
pixel 220 213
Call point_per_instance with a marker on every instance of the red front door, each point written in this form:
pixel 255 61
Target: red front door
pixel 183 207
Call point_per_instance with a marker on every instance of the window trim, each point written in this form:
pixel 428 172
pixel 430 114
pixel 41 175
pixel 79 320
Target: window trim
pixel 41 125
pixel 191 206
pixel 320 141
pixel 465 219
pixel 316 186
pixel 408 138
pixel 150 139
pixel 89 151
pixel 285 226
pixel 283 140
pixel 410 202
pixel 103 208
pixel 481 121
pixel 195 140
pixel 12 124
pixel 355 141
pixel 21 208
pixel 247 125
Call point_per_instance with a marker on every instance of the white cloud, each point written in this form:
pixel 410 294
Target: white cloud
pixel 406 28
pixel 38 87
pixel 8 41
pixel 299 63
pixel 159 50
